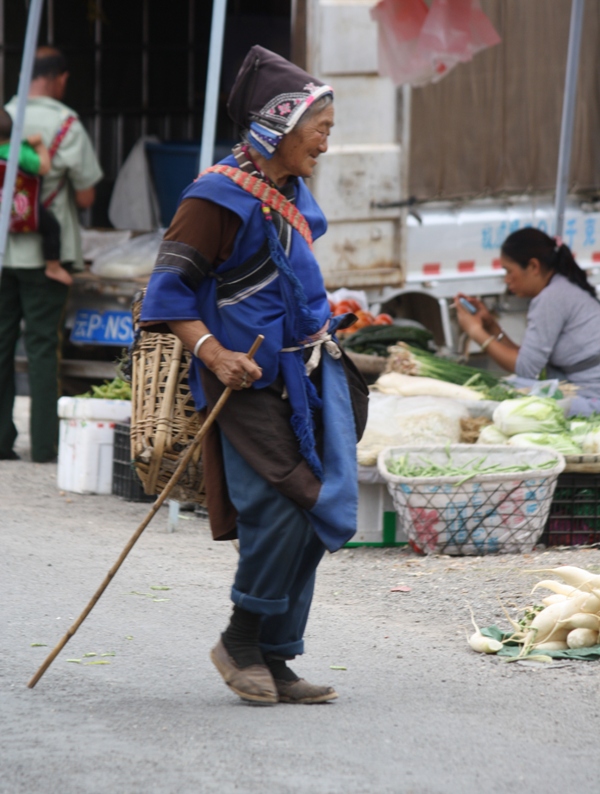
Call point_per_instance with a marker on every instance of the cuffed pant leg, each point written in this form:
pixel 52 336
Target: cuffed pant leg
pixel 10 320
pixel 283 634
pixel 278 546
pixel 44 302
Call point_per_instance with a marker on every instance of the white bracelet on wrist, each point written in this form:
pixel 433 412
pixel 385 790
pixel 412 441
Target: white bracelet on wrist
pixel 200 342
pixel 487 342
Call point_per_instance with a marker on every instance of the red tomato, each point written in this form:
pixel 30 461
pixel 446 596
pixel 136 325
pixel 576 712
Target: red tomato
pixel 345 307
pixel 354 305
pixel 341 308
pixel 383 319
pixel 366 318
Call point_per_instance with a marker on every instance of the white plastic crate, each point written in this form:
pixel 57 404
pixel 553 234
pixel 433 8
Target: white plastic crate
pixel 86 441
pixel 495 512
pixel 378 523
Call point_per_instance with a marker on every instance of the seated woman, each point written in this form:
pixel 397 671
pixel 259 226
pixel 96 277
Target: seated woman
pixel 563 320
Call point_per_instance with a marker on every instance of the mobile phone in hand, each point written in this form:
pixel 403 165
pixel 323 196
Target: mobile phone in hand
pixel 467 305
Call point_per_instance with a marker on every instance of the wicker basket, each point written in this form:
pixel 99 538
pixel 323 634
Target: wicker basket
pixel 164 420
pixel 496 512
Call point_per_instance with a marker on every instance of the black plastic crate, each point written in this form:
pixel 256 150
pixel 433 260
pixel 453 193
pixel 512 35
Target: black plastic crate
pixel 574 518
pixel 125 482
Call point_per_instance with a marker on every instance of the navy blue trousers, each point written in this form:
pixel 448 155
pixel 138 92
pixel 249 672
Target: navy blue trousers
pixel 279 555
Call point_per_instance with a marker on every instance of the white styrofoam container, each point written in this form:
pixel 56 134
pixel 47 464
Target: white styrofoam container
pixel 91 408
pixel 377 520
pixel 86 442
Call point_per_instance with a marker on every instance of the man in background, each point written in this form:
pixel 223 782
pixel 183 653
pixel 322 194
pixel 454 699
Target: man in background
pixel 26 293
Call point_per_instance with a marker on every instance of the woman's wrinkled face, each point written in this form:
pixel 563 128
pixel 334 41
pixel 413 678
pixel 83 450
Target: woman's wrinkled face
pixel 299 150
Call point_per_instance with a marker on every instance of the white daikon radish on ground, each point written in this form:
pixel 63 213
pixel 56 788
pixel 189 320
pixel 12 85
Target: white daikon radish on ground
pixel 414 385
pixel 556 587
pixel 582 638
pixel 559 633
pixel 480 643
pixel 588 602
pixel 555 598
pixel 552 645
pixel 544 625
pixel 582 620
pixel 577 577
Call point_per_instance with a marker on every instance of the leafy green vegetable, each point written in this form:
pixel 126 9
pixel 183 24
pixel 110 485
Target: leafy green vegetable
pixel 116 389
pixel 411 361
pixel 530 415
pixel 375 339
pixel 426 467
pixel 561 442
pixel 491 435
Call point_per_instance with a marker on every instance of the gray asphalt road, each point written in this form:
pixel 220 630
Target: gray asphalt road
pixel 418 713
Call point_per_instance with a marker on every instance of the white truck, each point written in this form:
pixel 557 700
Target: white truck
pixel 418 253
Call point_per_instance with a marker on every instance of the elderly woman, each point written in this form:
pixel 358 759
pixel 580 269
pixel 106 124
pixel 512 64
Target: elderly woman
pixel 280 468
pixel 563 320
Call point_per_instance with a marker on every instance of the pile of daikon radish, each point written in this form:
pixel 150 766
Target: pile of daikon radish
pixel 569 618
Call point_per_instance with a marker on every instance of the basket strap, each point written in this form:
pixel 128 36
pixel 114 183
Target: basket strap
pixel 164 423
pixel 267 195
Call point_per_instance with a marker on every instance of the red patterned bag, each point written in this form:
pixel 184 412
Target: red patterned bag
pixel 24 216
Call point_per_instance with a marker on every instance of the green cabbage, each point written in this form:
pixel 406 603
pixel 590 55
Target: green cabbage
pixel 529 415
pixel 579 429
pixel 591 442
pixel 561 442
pixel 491 435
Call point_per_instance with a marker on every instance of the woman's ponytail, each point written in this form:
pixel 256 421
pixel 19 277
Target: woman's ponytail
pixel 526 244
pixel 565 264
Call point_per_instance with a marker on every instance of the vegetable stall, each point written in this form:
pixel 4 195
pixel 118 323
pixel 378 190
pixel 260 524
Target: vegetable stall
pixel 422 400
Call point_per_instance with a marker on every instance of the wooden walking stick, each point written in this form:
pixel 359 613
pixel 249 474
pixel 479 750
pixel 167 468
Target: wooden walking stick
pixel 153 510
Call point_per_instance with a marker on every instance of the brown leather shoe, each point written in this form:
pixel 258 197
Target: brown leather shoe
pixel 301 691
pixel 254 683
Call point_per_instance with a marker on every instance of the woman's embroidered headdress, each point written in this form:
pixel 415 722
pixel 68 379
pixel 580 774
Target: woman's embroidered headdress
pixel 270 95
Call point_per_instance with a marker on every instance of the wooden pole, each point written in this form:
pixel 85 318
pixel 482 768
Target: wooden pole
pixel 153 510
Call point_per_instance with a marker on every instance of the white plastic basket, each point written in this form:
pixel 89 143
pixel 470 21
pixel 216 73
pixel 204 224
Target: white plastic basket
pixel 488 513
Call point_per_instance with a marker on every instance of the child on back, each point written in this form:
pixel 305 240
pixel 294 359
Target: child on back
pixel 34 158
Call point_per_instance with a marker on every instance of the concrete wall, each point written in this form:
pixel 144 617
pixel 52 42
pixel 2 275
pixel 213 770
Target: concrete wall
pixel 362 166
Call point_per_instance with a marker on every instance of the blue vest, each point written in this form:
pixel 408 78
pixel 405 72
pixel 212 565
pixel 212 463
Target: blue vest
pixel 236 324
pixel 252 293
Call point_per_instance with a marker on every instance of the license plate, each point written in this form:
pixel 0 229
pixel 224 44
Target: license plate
pixel 102 328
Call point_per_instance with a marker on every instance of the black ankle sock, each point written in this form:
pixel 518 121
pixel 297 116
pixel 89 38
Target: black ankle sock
pixel 240 638
pixel 279 669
